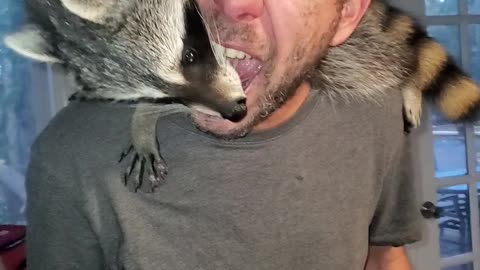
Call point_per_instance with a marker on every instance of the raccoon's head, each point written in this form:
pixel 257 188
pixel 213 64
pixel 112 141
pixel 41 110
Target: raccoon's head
pixel 133 49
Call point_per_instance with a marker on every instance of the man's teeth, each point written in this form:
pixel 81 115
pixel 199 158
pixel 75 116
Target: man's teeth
pixel 231 53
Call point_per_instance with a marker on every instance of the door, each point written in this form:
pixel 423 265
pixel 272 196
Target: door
pixel 446 156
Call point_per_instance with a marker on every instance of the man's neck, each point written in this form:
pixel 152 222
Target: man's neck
pixel 287 111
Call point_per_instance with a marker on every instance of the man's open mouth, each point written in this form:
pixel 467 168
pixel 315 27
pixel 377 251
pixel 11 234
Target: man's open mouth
pixel 246 66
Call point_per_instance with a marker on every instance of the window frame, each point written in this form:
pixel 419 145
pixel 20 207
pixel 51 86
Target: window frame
pixel 463 19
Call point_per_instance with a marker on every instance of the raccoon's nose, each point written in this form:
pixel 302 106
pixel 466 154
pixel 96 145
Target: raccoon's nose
pixel 239 110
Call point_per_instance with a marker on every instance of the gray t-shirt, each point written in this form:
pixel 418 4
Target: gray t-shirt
pixel 310 194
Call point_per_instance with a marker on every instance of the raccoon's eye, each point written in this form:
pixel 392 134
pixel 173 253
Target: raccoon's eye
pixel 189 56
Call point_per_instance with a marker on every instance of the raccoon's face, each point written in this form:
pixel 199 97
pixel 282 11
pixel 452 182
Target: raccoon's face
pixel 209 75
pixel 132 49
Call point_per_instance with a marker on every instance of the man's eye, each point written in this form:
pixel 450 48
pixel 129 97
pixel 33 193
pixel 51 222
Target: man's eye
pixel 189 56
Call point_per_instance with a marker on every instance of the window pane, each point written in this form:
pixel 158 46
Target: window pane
pixel 474 6
pixel 454 221
pixel 449 37
pixel 478 197
pixel 475 50
pixel 476 130
pixel 460 267
pixel 441 7
pixel 448 147
pixel 17 124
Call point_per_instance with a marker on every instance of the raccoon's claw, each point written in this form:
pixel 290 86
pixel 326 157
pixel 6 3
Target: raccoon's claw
pixel 411 119
pixel 413 114
pixel 143 171
pixel 126 152
pixel 146 167
pixel 412 107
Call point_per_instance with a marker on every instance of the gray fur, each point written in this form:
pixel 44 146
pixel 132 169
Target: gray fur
pixel 124 50
pixel 370 63
pixel 136 47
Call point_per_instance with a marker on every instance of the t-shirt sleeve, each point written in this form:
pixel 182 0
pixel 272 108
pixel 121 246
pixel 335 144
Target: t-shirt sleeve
pixel 58 233
pixel 397 218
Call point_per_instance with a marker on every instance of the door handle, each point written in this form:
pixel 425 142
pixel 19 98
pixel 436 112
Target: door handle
pixel 430 210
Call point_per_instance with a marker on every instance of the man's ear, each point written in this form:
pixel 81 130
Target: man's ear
pixel 351 15
pixel 30 43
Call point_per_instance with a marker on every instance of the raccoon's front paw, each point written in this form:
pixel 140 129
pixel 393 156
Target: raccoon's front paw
pixel 143 171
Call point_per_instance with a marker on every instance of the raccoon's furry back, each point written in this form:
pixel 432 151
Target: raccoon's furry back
pixel 377 57
pixel 125 50
pixel 391 51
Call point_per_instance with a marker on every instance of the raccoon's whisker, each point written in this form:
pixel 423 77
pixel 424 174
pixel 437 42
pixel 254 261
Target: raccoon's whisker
pixel 224 58
pixel 209 33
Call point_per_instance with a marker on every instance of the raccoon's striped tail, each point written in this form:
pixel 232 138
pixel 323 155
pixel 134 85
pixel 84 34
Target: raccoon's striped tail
pixel 454 92
pixel 440 80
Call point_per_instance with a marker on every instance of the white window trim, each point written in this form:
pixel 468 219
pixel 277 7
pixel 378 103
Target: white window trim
pixel 50 92
pixel 463 20
pixel 42 95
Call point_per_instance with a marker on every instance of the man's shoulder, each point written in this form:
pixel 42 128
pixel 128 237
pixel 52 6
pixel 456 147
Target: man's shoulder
pixel 82 127
pixel 374 122
pixel 382 111
pixel 383 108
pixel 384 115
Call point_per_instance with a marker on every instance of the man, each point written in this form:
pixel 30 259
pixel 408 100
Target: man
pixel 316 183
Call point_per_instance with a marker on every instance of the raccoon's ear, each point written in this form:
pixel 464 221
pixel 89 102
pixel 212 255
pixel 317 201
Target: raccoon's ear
pixel 90 10
pixel 97 11
pixel 30 43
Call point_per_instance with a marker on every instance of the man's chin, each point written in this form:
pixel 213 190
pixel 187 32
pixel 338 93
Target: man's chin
pixel 218 126
pixel 212 123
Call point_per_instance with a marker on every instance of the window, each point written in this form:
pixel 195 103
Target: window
pixel 25 107
pixel 456 147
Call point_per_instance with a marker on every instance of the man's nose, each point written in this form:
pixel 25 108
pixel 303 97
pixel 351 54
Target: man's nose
pixel 241 10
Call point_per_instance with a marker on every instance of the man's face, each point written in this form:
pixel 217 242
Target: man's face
pixel 285 39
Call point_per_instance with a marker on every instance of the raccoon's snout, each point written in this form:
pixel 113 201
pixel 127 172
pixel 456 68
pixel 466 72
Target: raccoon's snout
pixel 238 110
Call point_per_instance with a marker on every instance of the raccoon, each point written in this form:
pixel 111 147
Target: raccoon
pixel 111 45
pixel 390 50
pixel 158 54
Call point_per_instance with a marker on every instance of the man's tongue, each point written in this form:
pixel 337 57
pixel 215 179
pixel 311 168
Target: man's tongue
pixel 247 69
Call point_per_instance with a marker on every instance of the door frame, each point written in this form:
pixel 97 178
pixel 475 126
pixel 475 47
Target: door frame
pixel 425 255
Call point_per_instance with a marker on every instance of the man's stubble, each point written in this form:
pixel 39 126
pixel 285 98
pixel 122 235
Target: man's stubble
pixel 277 95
